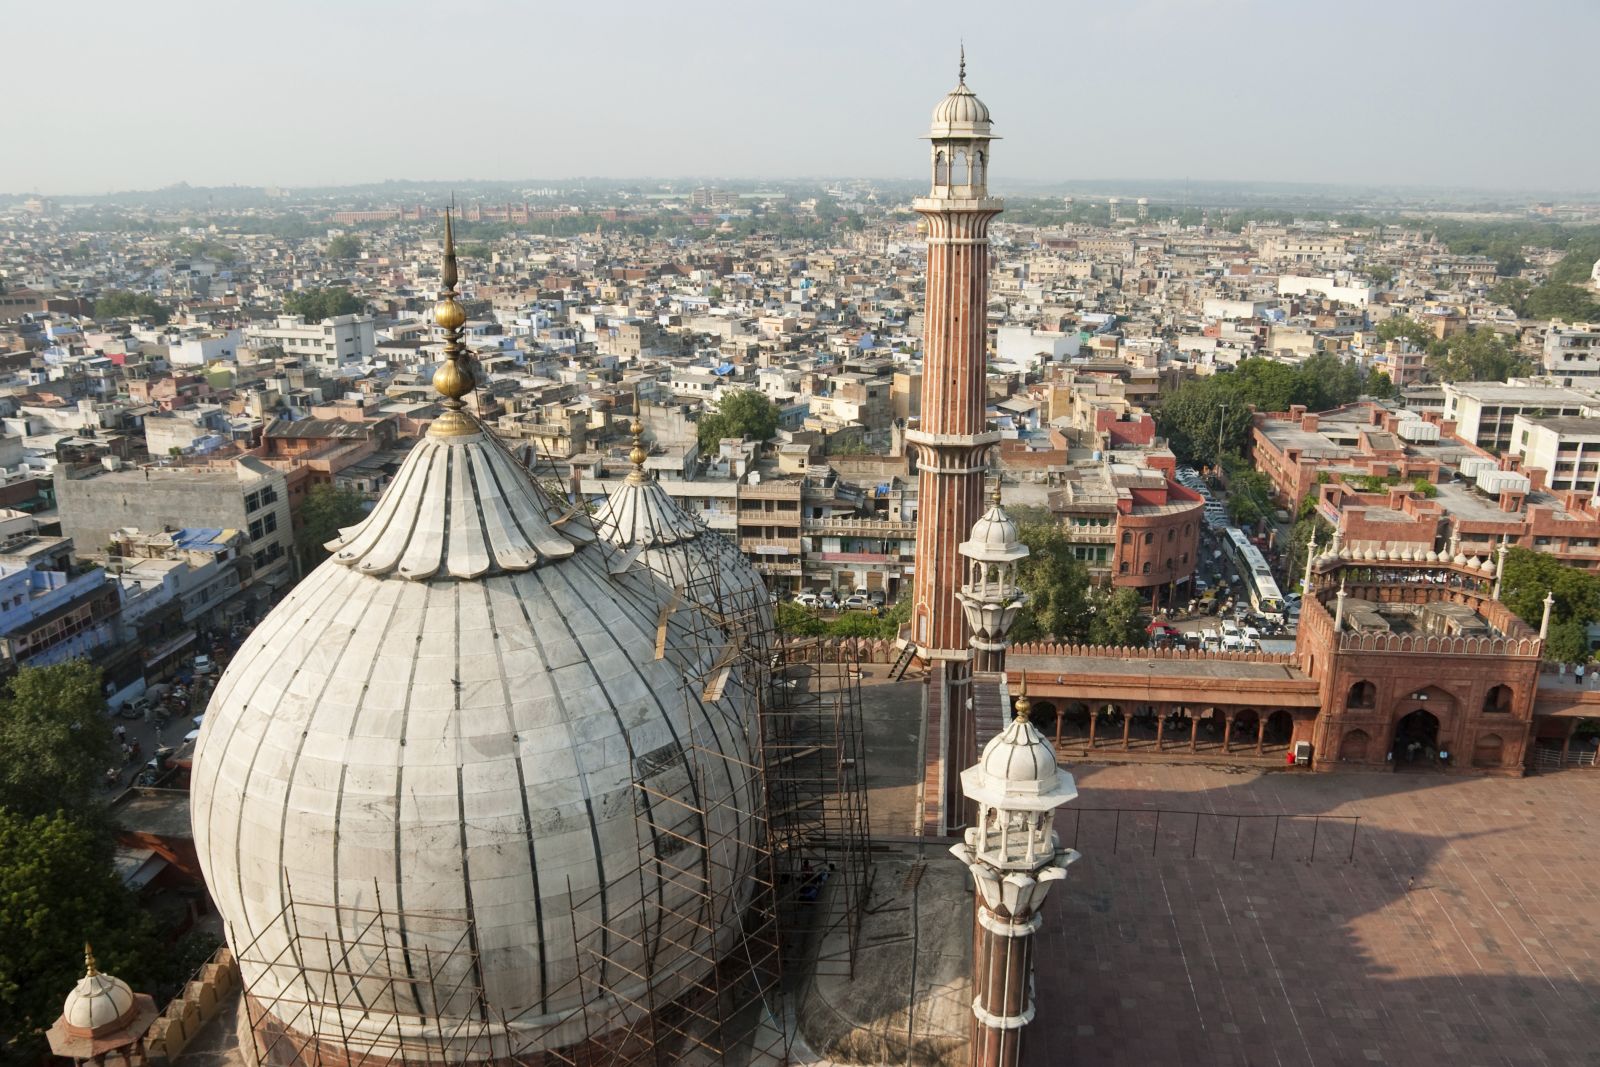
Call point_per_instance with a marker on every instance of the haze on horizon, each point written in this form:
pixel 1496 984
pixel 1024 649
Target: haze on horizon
pixel 296 93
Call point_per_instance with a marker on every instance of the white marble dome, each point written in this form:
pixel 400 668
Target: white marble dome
pixel 460 719
pixel 98 1002
pixel 993 538
pixel 960 110
pixel 642 517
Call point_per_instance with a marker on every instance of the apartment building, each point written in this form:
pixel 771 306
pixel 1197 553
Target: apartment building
pixel 1566 448
pixel 1484 412
pixel 1572 353
pixel 340 341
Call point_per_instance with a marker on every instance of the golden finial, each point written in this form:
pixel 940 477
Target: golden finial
pixel 1024 705
pixel 89 969
pixel 996 496
pixel 454 379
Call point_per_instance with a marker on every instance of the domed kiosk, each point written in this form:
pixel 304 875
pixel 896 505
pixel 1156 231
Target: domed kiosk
pixel 644 520
pixel 456 795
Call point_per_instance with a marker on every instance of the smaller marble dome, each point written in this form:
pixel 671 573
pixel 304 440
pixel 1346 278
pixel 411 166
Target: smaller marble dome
pixel 1019 759
pixel 99 1002
pixel 960 113
pixel 994 538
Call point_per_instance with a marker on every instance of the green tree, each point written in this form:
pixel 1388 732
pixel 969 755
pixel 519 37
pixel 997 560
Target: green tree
pixel 118 304
pixel 345 246
pixel 1118 618
pixel 1529 576
pixel 1057 586
pixel 1380 274
pixel 59 890
pixel 1512 292
pixel 1402 328
pixel 796 621
pixel 744 413
pixel 1379 385
pixel 319 304
pixel 55 740
pixel 325 511
pixel 1479 355
pixel 1557 300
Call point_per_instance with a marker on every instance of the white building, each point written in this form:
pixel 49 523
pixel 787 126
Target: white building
pixel 341 341
pixel 1572 352
pixel 1486 411
pixel 1335 289
pixel 1027 348
pixel 1567 447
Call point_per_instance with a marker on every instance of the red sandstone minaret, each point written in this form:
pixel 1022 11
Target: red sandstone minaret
pixel 952 440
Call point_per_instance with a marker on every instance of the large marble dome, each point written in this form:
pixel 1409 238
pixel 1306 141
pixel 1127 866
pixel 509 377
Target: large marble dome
pixel 452 745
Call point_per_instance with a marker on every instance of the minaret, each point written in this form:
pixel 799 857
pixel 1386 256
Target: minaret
pixel 1014 855
pixel 952 439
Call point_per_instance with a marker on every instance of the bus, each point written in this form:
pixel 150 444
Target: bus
pixel 1256 576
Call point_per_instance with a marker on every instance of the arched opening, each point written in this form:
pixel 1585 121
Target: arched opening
pixel 1489 751
pixel 978 164
pixel 1108 726
pixel 1043 717
pixel 1246 730
pixel 1279 731
pixel 1353 749
pixel 1416 739
pixel 1144 727
pixel 1362 695
pixel 1213 725
pixel 941 168
pixel 1074 720
pixel 1177 728
pixel 958 168
pixel 1498 700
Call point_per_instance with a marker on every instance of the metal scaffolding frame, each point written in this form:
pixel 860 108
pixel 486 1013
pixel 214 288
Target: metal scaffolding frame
pixel 354 995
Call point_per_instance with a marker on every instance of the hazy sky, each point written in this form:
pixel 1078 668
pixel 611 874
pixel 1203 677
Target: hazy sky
pixel 1482 93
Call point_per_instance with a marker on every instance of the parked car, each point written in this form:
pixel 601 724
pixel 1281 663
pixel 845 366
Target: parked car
pixel 807 600
pixel 137 708
pixel 858 602
pixel 203 665
pixel 828 600
pixel 876 596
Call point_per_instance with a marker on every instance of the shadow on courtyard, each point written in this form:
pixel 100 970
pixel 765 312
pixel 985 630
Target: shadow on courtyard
pixel 1455 927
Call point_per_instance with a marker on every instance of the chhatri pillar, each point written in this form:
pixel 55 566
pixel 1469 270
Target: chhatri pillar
pixel 952 438
pixel 991 597
pixel 102 1019
pixel 1014 856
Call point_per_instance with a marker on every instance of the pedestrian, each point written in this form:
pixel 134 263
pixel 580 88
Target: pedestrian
pixel 1578 673
pixel 1411 883
pixel 120 733
pixel 127 754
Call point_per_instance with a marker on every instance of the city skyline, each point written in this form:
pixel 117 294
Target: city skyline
pixel 1387 95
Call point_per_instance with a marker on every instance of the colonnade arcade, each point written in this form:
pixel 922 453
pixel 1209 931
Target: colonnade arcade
pixel 1078 726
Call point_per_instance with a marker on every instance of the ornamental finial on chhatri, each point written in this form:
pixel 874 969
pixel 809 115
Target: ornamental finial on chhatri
pixel 454 379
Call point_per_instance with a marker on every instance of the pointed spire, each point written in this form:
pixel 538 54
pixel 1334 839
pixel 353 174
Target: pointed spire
pixel 996 497
pixel 1024 705
pixel 454 378
pixel 639 453
pixel 962 76
pixel 89 969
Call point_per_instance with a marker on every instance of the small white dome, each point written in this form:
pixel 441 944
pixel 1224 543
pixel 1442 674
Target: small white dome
pixel 1019 760
pixel 993 538
pixel 960 107
pixel 1460 559
pixel 97 1002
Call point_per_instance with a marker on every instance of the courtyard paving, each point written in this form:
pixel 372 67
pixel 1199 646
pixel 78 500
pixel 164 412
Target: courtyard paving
pixel 1458 924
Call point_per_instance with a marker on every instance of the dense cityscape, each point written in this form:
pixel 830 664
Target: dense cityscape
pixel 748 538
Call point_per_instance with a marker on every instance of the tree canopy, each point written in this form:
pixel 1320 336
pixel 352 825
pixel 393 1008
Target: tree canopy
pixel 1479 355
pixel 319 304
pixel 1207 418
pixel 55 739
pixel 345 246
pixel 1063 604
pixel 744 413
pixel 1404 328
pixel 325 511
pixel 118 304
pixel 1529 576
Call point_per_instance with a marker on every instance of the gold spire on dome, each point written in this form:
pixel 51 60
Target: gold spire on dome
pixel 454 379
pixel 89 969
pixel 1024 705
pixel 996 497
pixel 639 453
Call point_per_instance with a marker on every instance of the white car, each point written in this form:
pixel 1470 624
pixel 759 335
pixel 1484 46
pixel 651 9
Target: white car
pixel 806 600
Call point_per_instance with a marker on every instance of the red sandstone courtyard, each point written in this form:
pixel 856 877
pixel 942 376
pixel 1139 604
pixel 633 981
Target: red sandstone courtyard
pixel 1466 930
